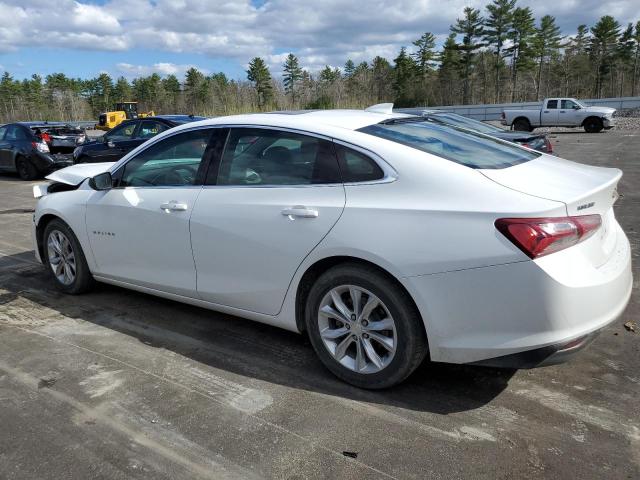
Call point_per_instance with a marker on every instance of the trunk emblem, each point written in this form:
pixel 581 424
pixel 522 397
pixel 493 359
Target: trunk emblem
pixel 586 205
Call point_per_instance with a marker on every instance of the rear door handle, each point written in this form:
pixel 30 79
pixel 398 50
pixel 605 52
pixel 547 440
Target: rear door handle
pixel 174 206
pixel 300 212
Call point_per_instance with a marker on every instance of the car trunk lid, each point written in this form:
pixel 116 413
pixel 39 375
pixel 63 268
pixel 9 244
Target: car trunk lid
pixel 584 189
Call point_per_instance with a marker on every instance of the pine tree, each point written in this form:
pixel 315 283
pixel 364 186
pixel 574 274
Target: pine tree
pixel 122 90
pixel 404 72
pixel 604 37
pixel 292 74
pixel 349 68
pixel 470 26
pixel 258 73
pixel 521 35
pixel 449 69
pixel 547 41
pixel 425 54
pixel 636 59
pixel 498 25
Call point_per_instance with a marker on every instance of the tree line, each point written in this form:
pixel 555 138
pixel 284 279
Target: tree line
pixel 501 54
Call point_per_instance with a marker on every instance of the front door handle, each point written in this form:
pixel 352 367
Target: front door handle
pixel 174 206
pixel 300 212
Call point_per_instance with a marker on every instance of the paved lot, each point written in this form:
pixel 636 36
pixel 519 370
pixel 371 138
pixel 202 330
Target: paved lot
pixel 116 384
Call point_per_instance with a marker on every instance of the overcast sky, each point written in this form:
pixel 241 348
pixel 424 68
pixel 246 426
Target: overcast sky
pixel 134 37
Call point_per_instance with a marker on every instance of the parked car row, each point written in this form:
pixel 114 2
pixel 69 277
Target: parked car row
pixel 34 149
pixel 387 237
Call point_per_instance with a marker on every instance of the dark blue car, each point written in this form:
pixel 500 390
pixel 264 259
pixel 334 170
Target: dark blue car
pixel 120 140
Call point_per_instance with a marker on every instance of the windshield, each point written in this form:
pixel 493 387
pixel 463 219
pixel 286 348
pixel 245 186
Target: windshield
pixel 452 143
pixel 464 122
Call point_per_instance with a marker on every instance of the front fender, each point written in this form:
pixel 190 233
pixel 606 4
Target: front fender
pixel 70 207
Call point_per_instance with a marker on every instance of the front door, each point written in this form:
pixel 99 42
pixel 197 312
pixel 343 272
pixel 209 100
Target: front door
pixel 139 230
pixel 274 197
pixel 116 143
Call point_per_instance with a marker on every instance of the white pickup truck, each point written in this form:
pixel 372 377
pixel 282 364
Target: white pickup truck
pixel 560 112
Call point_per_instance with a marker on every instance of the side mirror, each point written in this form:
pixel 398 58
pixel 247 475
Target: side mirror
pixel 102 181
pixel 576 107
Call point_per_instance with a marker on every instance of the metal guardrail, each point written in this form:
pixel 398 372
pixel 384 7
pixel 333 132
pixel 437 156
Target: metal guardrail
pixel 494 111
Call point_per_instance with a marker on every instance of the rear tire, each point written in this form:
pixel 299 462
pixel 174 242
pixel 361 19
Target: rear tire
pixel 593 125
pixel 26 169
pixel 65 259
pixel 522 125
pixel 370 348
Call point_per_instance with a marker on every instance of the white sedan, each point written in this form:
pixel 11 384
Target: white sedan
pixel 385 237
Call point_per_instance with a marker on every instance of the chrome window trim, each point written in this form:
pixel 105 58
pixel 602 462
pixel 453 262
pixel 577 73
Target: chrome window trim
pixel 390 175
pixel 122 163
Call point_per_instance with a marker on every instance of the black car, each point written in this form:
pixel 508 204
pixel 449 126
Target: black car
pixel 535 141
pixel 24 150
pixel 120 140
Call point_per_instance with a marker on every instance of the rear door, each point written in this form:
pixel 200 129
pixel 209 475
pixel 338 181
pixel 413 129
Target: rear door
pixel 549 114
pixel 271 199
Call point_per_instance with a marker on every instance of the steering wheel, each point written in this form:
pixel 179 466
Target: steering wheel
pixel 180 175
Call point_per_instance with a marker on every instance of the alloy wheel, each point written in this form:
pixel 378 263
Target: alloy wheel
pixel 357 329
pixel 61 257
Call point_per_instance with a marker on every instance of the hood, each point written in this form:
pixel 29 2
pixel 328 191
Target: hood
pixel 603 110
pixel 75 174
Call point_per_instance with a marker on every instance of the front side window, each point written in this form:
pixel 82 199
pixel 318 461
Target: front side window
pixel 173 161
pixel 458 145
pixel 121 132
pixel 568 104
pixel 255 156
pixel 149 128
pixel 552 104
pixel 3 130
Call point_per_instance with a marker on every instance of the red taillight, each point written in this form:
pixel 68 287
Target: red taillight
pixel 526 145
pixel 548 144
pixel 541 236
pixel 45 137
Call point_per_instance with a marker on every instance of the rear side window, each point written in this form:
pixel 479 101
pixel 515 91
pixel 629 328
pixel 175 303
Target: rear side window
pixel 357 167
pixel 552 104
pixel 458 145
pixel 16 132
pixel 256 156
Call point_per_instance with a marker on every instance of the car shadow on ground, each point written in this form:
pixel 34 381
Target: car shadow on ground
pixel 243 347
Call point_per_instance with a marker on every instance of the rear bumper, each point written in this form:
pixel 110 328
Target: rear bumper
pixel 526 313
pixel 541 357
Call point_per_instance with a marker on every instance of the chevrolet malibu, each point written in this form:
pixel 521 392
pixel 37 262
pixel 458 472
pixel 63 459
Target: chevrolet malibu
pixel 385 237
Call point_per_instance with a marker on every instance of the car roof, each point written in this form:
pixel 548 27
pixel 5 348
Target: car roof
pixel 343 119
pixel 41 124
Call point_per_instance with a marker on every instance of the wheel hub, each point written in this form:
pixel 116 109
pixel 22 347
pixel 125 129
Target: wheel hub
pixel 357 329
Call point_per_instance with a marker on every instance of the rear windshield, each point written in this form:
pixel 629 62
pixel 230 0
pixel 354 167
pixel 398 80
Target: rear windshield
pixel 458 145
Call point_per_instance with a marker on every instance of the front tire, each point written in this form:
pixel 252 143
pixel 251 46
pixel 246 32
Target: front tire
pixel 65 259
pixel 26 169
pixel 364 327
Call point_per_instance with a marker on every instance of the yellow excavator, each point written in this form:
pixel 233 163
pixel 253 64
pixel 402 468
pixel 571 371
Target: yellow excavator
pixel 121 112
